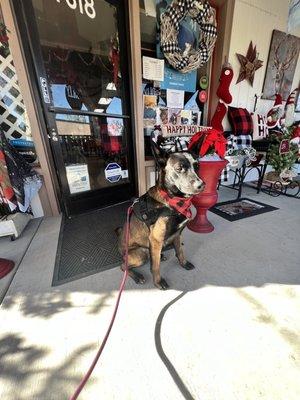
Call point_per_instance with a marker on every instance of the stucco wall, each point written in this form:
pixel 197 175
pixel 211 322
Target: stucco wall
pixel 255 20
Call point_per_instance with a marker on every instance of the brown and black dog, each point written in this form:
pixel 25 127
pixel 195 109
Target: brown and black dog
pixel 160 215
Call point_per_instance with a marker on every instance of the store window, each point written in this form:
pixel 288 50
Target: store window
pixel 158 110
pixel 13 115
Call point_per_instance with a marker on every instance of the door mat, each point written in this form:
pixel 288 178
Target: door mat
pixel 88 244
pixel 234 210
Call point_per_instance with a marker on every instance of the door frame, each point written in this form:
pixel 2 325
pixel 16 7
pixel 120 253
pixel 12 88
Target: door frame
pixel 35 65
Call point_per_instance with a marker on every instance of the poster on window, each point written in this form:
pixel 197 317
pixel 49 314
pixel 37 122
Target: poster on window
pixel 78 178
pixel 188 33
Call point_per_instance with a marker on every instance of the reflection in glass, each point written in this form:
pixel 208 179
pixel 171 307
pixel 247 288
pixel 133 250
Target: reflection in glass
pixel 81 55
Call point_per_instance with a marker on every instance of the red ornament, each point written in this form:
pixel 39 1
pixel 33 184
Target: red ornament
pixel 202 96
pixel 284 147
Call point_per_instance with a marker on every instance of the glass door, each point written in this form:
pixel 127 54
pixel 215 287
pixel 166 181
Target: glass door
pixel 79 49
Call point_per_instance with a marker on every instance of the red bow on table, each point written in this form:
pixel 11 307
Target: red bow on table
pixel 210 139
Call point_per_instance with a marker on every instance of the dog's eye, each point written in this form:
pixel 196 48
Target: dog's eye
pixel 179 168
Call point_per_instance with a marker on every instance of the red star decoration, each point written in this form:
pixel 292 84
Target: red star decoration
pixel 249 64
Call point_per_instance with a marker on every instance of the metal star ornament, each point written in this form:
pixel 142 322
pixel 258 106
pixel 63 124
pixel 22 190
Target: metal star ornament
pixel 249 64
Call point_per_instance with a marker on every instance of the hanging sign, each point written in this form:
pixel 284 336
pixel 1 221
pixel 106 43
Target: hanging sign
pixel 78 178
pixel 284 147
pixel 181 130
pixel 113 172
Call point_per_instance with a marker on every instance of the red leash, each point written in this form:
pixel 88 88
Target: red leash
pixel 125 275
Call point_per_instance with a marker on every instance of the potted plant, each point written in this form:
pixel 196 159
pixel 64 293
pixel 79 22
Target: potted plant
pixel 282 155
pixel 210 146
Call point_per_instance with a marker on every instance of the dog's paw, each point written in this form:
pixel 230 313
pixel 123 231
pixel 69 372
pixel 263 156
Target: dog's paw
pixel 137 277
pixel 188 265
pixel 162 284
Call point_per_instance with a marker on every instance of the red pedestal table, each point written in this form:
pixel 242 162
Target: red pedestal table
pixel 209 172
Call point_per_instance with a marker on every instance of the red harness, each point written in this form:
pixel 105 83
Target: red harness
pixel 180 204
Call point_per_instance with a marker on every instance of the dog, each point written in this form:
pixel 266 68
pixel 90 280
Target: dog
pixel 160 215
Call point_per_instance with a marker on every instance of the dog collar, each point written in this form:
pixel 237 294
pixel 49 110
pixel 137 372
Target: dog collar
pixel 180 204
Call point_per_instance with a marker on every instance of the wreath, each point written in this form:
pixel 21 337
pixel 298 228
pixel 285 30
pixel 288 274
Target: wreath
pixel 201 12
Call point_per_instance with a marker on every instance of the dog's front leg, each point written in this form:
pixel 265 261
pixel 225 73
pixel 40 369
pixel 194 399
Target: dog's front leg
pixel 156 240
pixel 180 254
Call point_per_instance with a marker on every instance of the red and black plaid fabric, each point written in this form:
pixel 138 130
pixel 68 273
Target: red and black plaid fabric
pixel 180 204
pixel 110 144
pixel 240 120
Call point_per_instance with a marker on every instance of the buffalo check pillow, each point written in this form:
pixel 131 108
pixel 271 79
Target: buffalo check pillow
pixel 240 120
pixel 260 128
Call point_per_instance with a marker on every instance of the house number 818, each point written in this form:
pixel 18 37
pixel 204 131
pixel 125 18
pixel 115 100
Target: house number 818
pixel 85 6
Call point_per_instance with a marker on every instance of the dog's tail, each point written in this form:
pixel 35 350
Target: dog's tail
pixel 118 231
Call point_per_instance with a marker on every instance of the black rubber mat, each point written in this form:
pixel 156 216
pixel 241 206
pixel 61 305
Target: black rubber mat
pixel 233 210
pixel 88 244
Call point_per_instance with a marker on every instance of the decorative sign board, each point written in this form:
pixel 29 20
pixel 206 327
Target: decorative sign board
pixel 181 130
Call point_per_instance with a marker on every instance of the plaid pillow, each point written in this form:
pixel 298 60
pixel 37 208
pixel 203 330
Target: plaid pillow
pixel 239 143
pixel 244 141
pixel 260 129
pixel 240 120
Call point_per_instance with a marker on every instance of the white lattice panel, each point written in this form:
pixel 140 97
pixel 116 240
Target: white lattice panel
pixel 13 116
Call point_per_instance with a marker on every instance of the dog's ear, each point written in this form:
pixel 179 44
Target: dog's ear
pixel 159 156
pixel 195 145
pixel 193 153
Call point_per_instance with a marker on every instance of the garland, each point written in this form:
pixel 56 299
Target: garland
pixel 200 12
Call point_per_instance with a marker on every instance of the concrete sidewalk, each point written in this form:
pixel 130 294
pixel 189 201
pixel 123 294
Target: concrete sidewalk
pixel 228 330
